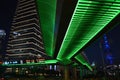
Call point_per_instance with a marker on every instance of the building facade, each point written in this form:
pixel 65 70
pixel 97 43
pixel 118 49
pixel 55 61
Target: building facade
pixel 25 36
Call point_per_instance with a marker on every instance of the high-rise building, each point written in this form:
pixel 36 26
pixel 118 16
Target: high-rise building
pixel 25 36
pixel 2 42
pixel 108 57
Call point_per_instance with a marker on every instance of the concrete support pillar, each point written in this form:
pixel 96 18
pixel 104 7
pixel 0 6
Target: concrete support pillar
pixel 75 73
pixel 66 73
pixel 81 73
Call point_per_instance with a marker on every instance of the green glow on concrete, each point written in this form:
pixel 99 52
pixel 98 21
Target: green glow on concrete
pixel 47 13
pixel 46 62
pixel 83 61
pixel 88 19
pixel 50 61
pixel 75 64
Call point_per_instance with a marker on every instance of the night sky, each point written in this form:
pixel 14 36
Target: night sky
pixel 7 8
pixel 93 52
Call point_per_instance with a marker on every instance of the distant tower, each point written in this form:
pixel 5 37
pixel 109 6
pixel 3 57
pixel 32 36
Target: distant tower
pixel 108 58
pixel 2 37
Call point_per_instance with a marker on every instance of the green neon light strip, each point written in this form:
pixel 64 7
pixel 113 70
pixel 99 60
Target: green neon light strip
pixel 47 13
pixel 46 62
pixel 86 23
pixel 50 61
pixel 83 61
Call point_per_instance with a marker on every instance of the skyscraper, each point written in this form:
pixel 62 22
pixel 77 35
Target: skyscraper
pixel 2 42
pixel 25 35
pixel 107 51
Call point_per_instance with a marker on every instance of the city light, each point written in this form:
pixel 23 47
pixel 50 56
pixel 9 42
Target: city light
pixel 2 33
pixel 15 63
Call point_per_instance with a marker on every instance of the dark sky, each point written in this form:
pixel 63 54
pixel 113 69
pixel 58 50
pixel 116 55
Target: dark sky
pixel 94 51
pixel 7 8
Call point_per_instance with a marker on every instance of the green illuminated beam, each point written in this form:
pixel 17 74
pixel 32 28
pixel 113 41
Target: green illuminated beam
pixel 47 13
pixel 83 61
pixel 51 61
pixel 46 62
pixel 86 23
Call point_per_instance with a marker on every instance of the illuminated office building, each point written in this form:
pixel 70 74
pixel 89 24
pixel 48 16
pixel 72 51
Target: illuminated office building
pixel 25 35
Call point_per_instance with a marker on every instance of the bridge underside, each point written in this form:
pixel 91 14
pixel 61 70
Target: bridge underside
pixel 74 25
pixel 68 26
